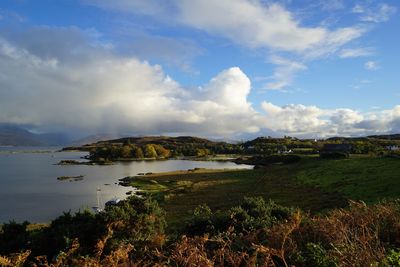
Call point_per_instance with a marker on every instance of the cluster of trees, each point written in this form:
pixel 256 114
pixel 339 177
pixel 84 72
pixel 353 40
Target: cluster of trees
pixel 255 233
pixel 362 145
pixel 163 149
pixel 366 145
pixel 129 151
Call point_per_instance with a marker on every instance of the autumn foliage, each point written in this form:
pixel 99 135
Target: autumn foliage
pixel 256 233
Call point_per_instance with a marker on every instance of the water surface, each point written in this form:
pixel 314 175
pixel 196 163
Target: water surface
pixel 29 189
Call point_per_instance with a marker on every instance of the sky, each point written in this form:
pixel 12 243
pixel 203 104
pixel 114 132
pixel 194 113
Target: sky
pixel 225 69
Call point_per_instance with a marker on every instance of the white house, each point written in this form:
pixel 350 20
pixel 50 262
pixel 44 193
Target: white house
pixel 392 148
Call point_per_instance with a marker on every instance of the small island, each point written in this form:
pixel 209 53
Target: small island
pixel 71 178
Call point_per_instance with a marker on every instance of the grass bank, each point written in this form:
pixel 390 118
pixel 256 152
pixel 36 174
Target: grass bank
pixel 313 184
pixel 359 178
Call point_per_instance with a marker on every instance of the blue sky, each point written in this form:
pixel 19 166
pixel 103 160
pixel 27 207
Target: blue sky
pixel 212 68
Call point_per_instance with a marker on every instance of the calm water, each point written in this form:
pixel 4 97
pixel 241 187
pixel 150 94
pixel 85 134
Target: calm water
pixel 29 189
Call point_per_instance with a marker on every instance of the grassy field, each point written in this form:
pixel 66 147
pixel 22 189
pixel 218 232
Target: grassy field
pixel 312 184
pixel 359 178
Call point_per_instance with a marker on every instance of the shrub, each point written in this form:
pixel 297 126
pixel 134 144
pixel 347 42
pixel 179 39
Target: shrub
pixel 13 237
pixel 254 213
pixel 333 155
pixel 201 221
pixel 391 259
pixel 316 255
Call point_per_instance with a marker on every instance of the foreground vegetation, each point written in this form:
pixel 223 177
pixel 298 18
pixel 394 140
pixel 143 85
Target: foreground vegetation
pixel 254 233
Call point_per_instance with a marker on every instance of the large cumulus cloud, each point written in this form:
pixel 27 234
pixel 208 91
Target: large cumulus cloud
pixel 95 89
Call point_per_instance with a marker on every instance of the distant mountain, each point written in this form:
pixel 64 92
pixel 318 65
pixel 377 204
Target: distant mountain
pixel 11 135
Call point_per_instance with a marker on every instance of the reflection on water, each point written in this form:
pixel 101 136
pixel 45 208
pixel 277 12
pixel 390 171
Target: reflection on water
pixel 29 189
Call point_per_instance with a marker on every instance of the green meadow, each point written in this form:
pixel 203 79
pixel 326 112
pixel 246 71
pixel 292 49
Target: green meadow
pixel 315 185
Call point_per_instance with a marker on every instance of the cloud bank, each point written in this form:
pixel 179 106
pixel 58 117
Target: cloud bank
pixel 95 89
pixel 86 87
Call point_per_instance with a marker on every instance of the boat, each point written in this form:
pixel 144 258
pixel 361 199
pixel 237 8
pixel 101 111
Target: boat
pixel 113 202
pixel 98 208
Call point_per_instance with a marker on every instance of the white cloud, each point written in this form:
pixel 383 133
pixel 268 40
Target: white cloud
pixel 295 119
pixel 252 23
pixel 371 65
pixel 311 121
pixel 106 92
pixel 284 73
pixel 376 14
pixel 356 52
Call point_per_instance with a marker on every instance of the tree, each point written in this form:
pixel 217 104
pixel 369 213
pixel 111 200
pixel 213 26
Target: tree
pixel 161 151
pixel 138 153
pixel 149 151
pixel 126 151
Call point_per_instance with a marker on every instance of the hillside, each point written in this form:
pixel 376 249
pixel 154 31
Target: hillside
pixel 11 135
pixel 154 147
pixel 386 137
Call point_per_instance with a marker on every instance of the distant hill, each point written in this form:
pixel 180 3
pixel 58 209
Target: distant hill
pixel 11 135
pixel 364 138
pixel 161 140
pixel 155 147
pixel 94 139
pixel 386 137
pixel 144 140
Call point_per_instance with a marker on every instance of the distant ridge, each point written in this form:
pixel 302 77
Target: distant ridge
pixel 94 139
pixel 11 135
pixel 382 137
pixel 159 140
pixel 388 136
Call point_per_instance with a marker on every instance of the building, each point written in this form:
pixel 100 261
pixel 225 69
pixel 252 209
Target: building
pixel 392 148
pixel 335 151
pixel 337 148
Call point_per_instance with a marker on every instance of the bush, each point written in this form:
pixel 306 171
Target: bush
pixel 253 214
pixel 391 259
pixel 333 155
pixel 201 221
pixel 316 255
pixel 135 221
pixel 256 233
pixel 13 237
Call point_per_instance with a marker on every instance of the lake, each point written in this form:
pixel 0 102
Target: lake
pixel 29 189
